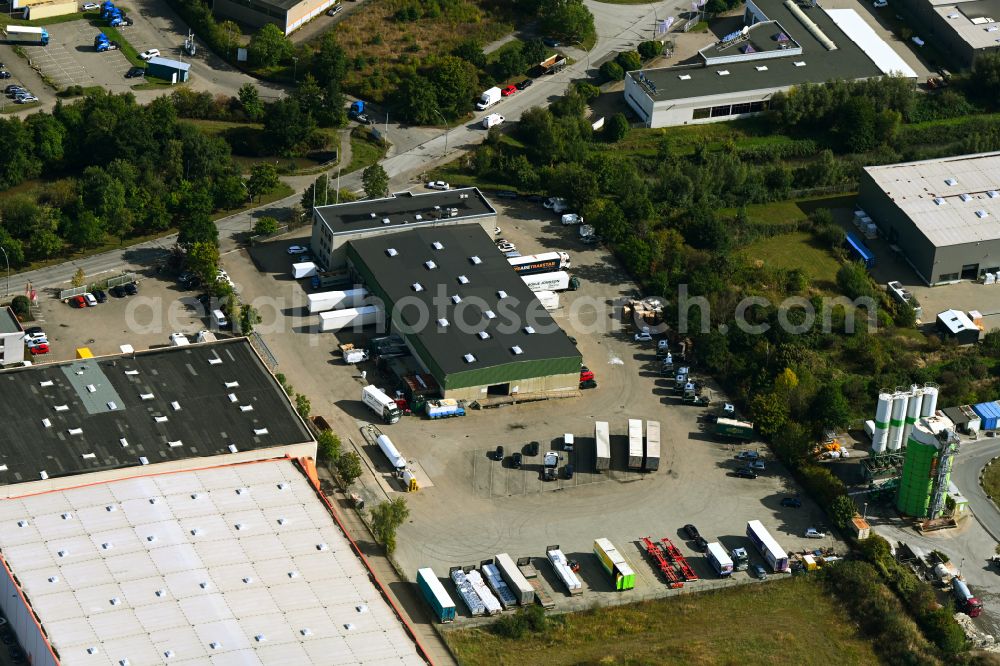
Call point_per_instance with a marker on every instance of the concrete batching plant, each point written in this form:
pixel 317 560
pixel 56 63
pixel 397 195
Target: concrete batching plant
pixel 930 452
pixel 896 413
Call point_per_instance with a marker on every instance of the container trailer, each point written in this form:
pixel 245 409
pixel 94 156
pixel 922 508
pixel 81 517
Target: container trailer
pixel 564 573
pixel 335 300
pixel 516 582
pixel 554 281
pixel 635 443
pixel 23 34
pixel 602 445
pixel 336 320
pixel 735 429
pixel 380 403
pixel 651 462
pixel 435 595
pixel 615 564
pixel 506 596
pixel 719 560
pixel 548 299
pixel 547 262
pixel 775 555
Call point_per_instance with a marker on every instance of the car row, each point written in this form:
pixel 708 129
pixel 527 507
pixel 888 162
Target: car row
pixel 36 340
pixel 20 94
pixel 92 298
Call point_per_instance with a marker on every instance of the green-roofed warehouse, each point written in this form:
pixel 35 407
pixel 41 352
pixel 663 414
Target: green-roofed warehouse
pixel 468 318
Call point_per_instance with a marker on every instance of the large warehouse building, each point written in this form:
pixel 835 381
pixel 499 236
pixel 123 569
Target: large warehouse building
pixel 162 507
pixel 963 28
pixel 336 225
pixel 470 320
pixel 289 15
pixel 782 44
pixel 943 214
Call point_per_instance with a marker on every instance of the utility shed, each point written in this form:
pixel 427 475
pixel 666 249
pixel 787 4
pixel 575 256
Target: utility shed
pixel 169 70
pixel 956 324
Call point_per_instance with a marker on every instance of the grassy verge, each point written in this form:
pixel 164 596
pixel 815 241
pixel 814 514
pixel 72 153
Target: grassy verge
pixel 14 108
pixel 365 151
pixel 154 83
pixel 991 481
pixel 787 622
pixel 79 91
pixel 798 250
pixel 127 49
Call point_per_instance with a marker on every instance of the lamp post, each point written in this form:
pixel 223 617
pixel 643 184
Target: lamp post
pixel 7 291
pixel 295 68
pixel 864 515
pixel 447 129
pixel 249 201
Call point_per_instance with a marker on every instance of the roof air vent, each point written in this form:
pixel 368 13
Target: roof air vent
pixel 232 448
pixel 723 72
pixel 761 68
pixel 469 358
pixel 437 245
pixel 463 280
pixel 489 314
pixel 475 260
pixel 112 405
pixel 75 431
pixel 232 385
pixel 47 423
pixel 416 286
pixel 483 335
pixel 176 406
pixel 391 252
pixel 800 63
pixel 46 383
pixel 982 214
pixel 372 215
pixel 456 299
pixel 939 201
pixel 61 408
pixel 529 330
pixel 684 77
pixel 517 350
pixel 123 442
pixel 993 194
pixel 260 431
pixel 430 265
pixel 443 323
pixel 950 182
pixel 501 293
pixel 385 220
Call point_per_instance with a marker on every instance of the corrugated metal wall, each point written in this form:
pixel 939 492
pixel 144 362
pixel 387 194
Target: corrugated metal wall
pixel 22 621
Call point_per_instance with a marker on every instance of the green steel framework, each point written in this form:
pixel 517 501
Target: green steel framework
pixel 917 483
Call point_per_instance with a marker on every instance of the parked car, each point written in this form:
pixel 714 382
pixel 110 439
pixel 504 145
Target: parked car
pixel 643 335
pixel 42 348
pixel 508 91
pixel 12 88
pixel 498 454
pixel 34 330
pixel 150 54
pixel 297 249
pixel 4 74
pixel 133 72
pixel 506 247
pixel 759 572
pixel 90 300
pixel 333 11
pixel 551 41
pixel 813 533
pixel 691 531
pixel 746 473
pixel 588 384
pixel 757 465
pixel 438 185
pixel 90 6
pixel 78 302
pixel 531 449
pixel 35 342
pixel 793 502
pixel 25 99
pixel 568 471
pixel 879 4
pixel 525 84
pixel 100 295
pixel 118 292
pixel 515 461
pixel 130 289
pixel 747 455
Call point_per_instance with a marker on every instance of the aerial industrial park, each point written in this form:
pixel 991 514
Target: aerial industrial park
pixel 550 331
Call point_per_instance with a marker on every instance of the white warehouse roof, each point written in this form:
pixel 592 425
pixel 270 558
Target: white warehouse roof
pixel 240 564
pixel 862 34
pixel 952 200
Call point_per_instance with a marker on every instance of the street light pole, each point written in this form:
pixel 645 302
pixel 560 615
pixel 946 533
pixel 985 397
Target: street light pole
pixel 295 69
pixel 447 129
pixel 7 292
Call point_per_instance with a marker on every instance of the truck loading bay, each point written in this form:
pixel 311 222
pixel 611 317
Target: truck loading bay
pixel 477 507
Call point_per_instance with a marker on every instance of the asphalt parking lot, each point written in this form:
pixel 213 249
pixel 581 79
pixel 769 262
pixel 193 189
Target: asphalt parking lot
pixel 477 507
pixel 70 58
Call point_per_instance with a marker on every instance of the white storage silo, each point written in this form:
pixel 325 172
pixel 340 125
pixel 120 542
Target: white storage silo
pixel 900 400
pixel 881 432
pixel 912 410
pixel 929 405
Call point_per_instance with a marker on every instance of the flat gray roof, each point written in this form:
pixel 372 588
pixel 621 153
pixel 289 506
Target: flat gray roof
pixel 952 200
pixel 8 322
pixel 480 296
pixel 975 21
pixel 166 404
pixel 848 61
pixel 404 209
pixel 761 38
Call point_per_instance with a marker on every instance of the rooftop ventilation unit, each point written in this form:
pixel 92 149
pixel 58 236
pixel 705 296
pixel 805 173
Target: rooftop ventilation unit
pixel 91 388
pixel 43 474
pixel 232 397
pixel 761 68
pixel 800 63
pixel 982 214
pixel 123 442
pixel 246 408
pixel 965 197
pixel 47 423
pixel 430 265
pixel 939 201
pixel 160 419
pixel 112 405
pixel 517 350
pixel 463 280
pixel 456 299
pixel 145 396
pixel 391 252
pixel 443 323
pixel 489 314
pixel 143 460
pixel 89 456
pixel 62 408
pixel 483 335
pixel 529 330
pixel 684 77
pixel 475 260
pixel 372 215
pixel 46 383
pixel 215 360
pixel 231 385
pixel 416 286
pixel 469 358
pixel 437 245
pixel 260 431
pixel 131 372
pixel 232 448
pixel 418 217
pixel 174 444
pixel 176 406
pixel 385 220
pixel 75 431
pixel 501 293
pixel 722 72
pixel 950 182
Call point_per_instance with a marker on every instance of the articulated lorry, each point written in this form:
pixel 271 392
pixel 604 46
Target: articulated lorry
pixel 635 443
pixel 23 34
pixel 377 401
pixel 548 299
pixel 965 601
pixel 516 582
pixel 602 445
pixel 719 559
pixel 435 595
pixel 547 262
pixel 103 44
pixel 337 300
pixel 615 564
pixel 651 461
pixel 734 429
pixel 390 451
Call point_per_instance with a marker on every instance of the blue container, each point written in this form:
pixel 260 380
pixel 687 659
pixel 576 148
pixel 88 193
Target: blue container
pixel 989 413
pixel 859 251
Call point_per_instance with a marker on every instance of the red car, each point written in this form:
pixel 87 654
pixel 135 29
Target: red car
pixel 39 349
pixel 508 91
pixel 78 302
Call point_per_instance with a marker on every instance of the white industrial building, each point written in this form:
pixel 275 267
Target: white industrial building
pixel 782 44
pixel 238 564
pixel 962 28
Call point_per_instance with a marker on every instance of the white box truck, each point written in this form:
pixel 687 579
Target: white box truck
pixel 554 281
pixel 336 320
pixel 380 403
pixel 635 443
pixel 303 270
pixel 548 299
pixel 488 98
pixel 219 319
pixel 333 300
pixel 719 559
pixel 493 120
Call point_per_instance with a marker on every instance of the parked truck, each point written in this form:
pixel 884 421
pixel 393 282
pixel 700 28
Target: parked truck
pixel 740 558
pixel 720 561
pixel 651 461
pixel 352 354
pixel 602 445
pixel 358 112
pixel 561 566
pixel 336 320
pixel 530 574
pixel 330 279
pixel 635 443
pixel 550 461
pixel 548 299
pixel 304 269
pixel 516 582
pixel 390 451
pixel 553 281
pixel 493 120
pixel 615 564
pixel 336 300
pixel 380 403
pixel 964 599
pixel 444 408
pixel 102 44
pixel 488 98
pixel 23 34
pixel 435 595
pixel 733 429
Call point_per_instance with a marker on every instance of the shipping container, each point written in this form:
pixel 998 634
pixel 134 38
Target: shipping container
pixel 615 564
pixel 515 579
pixel 634 443
pixel 602 445
pixel 733 428
pixel 435 595
pixel 989 414
pixel 336 300
pixel 548 299
pixel 561 567
pixel 651 462
pixel 336 320
pixel 719 560
pixel 499 586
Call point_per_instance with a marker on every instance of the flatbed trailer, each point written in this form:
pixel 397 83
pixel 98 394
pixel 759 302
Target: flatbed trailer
pixel 674 555
pixel 662 563
pixel 530 573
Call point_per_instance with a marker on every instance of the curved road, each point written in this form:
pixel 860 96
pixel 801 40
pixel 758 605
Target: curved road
pixel 965 474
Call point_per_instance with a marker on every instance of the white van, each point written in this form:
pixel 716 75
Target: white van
pixel 219 319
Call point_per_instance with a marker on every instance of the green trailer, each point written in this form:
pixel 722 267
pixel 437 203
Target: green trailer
pixel 734 429
pixel 615 564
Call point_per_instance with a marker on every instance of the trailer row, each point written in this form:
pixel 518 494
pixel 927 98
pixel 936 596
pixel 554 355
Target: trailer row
pixel 643 452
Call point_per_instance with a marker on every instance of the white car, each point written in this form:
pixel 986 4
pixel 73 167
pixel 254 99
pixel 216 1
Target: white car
pixel 555 203
pixel 34 342
pixel 879 4
pixel 35 337
pixel 438 185
pixel 916 40
pixel 150 54
pixel 813 533
pixel 506 247
pixel 572 218
pixel 297 249
pixel 89 298
pixel 644 335
pixel 90 6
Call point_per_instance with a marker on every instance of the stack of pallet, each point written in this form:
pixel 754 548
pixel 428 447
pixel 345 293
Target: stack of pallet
pixel 468 593
pixel 493 606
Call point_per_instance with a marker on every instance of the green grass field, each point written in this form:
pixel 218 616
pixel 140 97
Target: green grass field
pixel 364 152
pixel 798 249
pixel 991 482
pixel 790 621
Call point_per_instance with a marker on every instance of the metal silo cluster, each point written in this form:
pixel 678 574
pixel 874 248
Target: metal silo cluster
pixel 897 412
